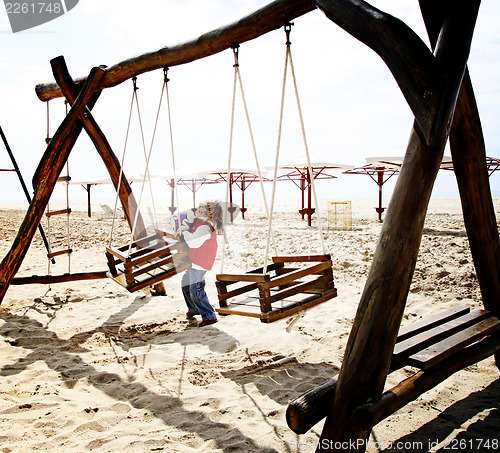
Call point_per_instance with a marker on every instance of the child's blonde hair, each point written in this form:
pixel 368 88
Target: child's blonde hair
pixel 213 210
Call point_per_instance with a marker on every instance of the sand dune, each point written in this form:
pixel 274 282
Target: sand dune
pixel 87 366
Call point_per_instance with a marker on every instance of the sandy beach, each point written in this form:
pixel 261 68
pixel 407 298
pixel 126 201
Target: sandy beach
pixel 88 366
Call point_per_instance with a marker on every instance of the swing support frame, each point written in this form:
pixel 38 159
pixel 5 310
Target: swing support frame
pixel 436 85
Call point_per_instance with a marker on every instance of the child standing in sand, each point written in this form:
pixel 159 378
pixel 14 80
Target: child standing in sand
pixel 200 234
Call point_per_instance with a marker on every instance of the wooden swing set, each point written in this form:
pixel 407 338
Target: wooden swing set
pixel 273 292
pixel 436 85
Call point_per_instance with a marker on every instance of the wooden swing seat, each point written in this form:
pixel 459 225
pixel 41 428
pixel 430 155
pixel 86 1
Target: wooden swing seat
pixel 146 261
pixel 280 292
pixel 437 347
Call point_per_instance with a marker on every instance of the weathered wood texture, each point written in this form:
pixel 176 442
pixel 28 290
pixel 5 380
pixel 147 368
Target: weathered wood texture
pixel 125 194
pixel 59 278
pixel 368 353
pixel 440 346
pixel 469 163
pixel 146 262
pixel 266 19
pixel 291 290
pixel 54 161
pixel 311 407
pixel 468 150
pixel 394 399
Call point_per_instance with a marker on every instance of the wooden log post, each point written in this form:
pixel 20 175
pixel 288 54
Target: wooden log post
pixel 54 160
pixel 468 150
pixel 262 21
pixel 373 336
pixel 127 199
pixel 469 162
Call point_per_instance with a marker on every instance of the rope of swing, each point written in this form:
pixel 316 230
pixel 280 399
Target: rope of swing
pixel 120 177
pixel 134 101
pixel 289 61
pixel 147 156
pixel 68 225
pixel 238 81
pixel 172 151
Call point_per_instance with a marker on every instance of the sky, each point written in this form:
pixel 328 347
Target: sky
pixel 351 105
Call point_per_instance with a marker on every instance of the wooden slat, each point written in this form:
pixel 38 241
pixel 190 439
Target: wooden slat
pixel 64 179
pixel 249 306
pixel 292 276
pixel 59 252
pixel 237 292
pixel 59 212
pixel 445 348
pixel 150 255
pixel 428 323
pixel 271 267
pixel 307 303
pixel 300 258
pixel 116 253
pixel 258 278
pixel 308 409
pixel 137 285
pixel 368 415
pixel 170 261
pixel 424 339
pixel 299 288
pixel 60 278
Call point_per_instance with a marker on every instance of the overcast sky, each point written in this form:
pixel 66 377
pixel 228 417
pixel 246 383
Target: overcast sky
pixel 352 106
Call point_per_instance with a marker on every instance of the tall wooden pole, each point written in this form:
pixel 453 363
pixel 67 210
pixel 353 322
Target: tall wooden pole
pixel 468 151
pixel 373 336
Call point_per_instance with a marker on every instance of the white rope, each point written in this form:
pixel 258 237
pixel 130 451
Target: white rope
pixel 174 167
pixel 146 172
pixel 237 78
pixel 309 168
pixel 255 155
pixel 228 174
pixel 288 59
pixel 121 170
pixel 276 159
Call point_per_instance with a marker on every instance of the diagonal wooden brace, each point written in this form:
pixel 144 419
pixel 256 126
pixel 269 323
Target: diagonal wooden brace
pixel 70 90
pixel 52 163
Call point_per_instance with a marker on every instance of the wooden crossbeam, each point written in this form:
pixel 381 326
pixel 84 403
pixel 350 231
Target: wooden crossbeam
pixel 59 252
pixel 59 212
pixel 60 278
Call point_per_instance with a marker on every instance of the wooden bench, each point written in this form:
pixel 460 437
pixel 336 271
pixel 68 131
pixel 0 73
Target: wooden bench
pixel 437 347
pixel 146 262
pixel 280 292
